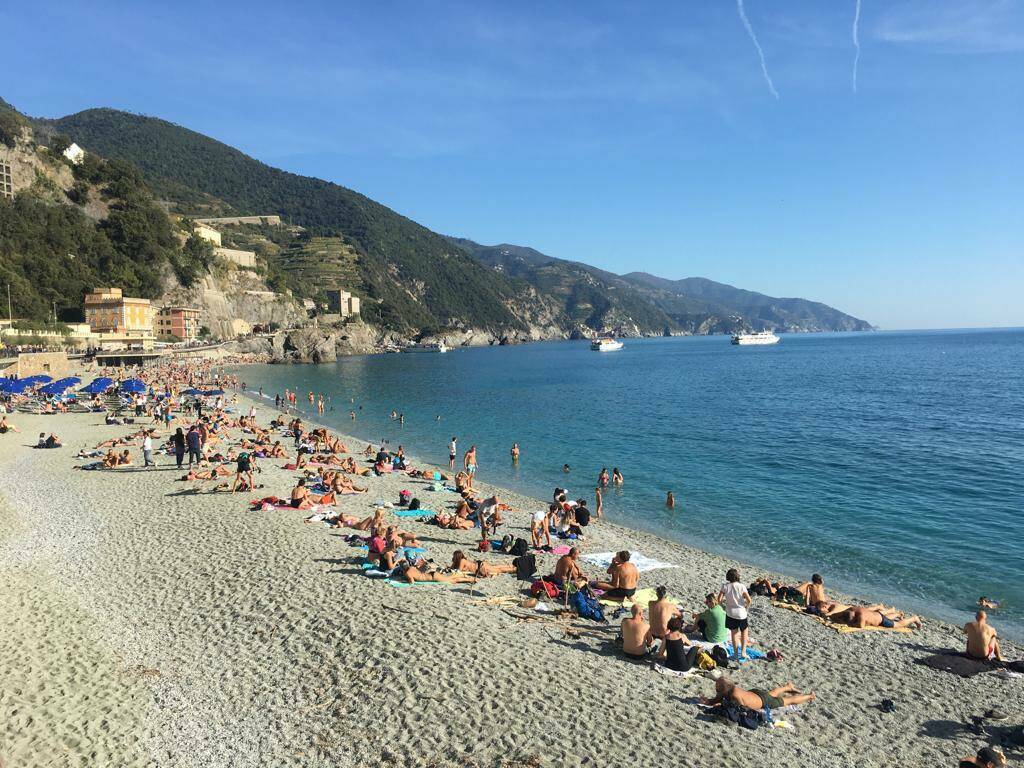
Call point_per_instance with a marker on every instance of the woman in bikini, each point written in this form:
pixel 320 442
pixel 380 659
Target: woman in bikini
pixel 478 568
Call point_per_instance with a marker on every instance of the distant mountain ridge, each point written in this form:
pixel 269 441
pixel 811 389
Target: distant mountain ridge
pixel 411 279
pixel 691 305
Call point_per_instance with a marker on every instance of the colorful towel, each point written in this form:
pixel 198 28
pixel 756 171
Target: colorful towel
pixel 642 563
pixel 561 549
pixel 412 512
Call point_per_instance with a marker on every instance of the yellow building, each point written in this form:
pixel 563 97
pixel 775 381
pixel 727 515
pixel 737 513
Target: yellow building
pixel 107 310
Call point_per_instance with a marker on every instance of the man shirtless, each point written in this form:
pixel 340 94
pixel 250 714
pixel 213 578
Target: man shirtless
pixel 981 639
pixel 567 570
pixel 861 617
pixel 661 611
pixel 624 578
pixel 635 631
pixel 813 591
pixel 784 696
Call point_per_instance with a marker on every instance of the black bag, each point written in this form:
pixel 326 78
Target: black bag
pixel 506 542
pixel 526 566
pixel 414 504
pixel 520 548
pixel 720 655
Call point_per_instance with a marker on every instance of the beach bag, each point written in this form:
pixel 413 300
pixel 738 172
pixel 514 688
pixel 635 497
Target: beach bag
pixel 704 661
pixel 720 656
pixel 483 546
pixel 586 605
pixel 519 548
pixel 526 566
pixel 403 498
pixel 506 542
pixel 414 504
pixel 540 587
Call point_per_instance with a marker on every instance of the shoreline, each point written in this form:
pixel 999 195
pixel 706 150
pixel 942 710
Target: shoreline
pixel 751 561
pixel 252 637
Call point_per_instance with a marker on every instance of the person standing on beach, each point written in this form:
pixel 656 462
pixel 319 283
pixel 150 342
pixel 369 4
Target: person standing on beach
pixel 194 441
pixel 147 449
pixel 178 438
pixel 736 600
pixel 469 462
pixel 453 451
pixel 598 503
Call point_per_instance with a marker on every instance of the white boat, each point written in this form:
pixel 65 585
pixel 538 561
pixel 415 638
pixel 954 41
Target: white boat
pixel 426 348
pixel 605 345
pixel 762 337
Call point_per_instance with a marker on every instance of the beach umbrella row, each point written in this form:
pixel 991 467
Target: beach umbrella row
pixel 60 386
pixel 133 386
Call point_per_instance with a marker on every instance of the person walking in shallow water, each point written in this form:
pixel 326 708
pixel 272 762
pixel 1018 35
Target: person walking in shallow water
pixel 670 501
pixel 515 453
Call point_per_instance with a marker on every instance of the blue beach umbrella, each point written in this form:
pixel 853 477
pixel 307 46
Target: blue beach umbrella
pixel 213 392
pixel 97 386
pixel 134 386
pixel 39 378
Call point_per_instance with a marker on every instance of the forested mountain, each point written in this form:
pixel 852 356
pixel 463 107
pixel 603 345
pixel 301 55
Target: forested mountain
pixel 411 279
pixel 419 279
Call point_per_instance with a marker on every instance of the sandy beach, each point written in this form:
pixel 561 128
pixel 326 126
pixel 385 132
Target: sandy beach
pixel 150 624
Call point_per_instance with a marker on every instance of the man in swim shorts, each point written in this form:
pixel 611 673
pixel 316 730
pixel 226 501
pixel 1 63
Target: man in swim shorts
pixel 784 696
pixel 634 631
pixel 624 578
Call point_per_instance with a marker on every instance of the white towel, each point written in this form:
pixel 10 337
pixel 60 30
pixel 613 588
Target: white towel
pixel 642 563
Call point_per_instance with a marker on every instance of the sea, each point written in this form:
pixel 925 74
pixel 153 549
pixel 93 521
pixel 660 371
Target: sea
pixel 890 462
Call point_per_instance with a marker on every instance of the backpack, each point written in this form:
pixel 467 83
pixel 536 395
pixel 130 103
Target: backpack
pixel 483 546
pixel 403 498
pixel 720 656
pixel 414 504
pixel 587 606
pixel 519 548
pixel 526 566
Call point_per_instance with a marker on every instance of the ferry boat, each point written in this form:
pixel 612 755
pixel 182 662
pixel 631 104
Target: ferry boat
pixel 762 337
pixel 605 345
pixel 426 348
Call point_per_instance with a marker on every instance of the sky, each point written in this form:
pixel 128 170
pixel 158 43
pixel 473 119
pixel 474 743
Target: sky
pixel 748 142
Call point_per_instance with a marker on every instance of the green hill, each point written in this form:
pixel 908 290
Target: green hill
pixel 421 280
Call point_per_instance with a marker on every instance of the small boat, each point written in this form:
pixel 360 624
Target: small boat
pixel 761 337
pixel 426 348
pixel 605 345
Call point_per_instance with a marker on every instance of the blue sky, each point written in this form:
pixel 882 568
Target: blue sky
pixel 632 136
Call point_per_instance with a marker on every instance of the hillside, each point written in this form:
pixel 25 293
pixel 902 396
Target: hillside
pixel 603 300
pixel 695 296
pixel 591 298
pixel 419 279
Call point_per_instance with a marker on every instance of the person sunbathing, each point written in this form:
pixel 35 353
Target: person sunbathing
pixel 5 427
pixel 624 579
pixel 987 757
pixel 341 484
pixel 567 570
pixel 453 522
pixel 411 573
pixel 661 611
pixel 479 568
pixel 981 639
pixel 301 498
pixel 376 520
pixel 401 538
pixel 784 696
pixel 221 470
pixel 861 617
pixel 635 633
pixel 429 474
pixel 813 591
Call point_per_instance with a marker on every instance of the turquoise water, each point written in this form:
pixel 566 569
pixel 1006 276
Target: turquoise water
pixel 889 462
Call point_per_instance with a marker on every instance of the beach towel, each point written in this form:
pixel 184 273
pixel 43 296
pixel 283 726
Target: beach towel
pixel 412 513
pixel 561 549
pixel 642 563
pixel 673 673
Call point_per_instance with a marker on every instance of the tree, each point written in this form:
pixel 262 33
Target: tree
pixel 10 126
pixel 58 144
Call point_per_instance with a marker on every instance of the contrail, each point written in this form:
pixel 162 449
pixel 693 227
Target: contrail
pixel 856 43
pixel 760 53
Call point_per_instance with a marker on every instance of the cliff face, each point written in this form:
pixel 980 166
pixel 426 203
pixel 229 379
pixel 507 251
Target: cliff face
pixel 234 301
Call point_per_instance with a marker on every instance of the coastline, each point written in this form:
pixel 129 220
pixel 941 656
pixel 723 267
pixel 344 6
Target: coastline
pixel 251 634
